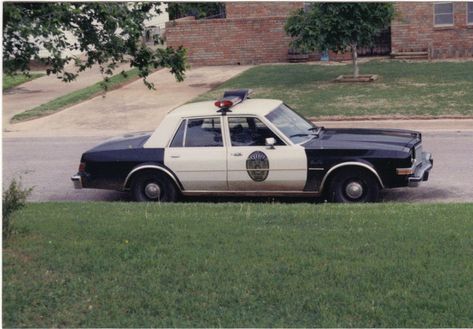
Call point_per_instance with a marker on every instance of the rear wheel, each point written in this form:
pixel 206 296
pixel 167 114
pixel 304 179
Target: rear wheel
pixel 354 185
pixel 153 186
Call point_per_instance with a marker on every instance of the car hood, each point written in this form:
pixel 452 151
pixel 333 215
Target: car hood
pixel 365 138
pixel 128 141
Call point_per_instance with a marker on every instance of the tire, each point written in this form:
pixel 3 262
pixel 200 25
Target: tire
pixel 354 185
pixel 153 186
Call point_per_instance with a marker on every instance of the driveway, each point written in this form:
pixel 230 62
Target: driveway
pixel 130 108
pixel 42 90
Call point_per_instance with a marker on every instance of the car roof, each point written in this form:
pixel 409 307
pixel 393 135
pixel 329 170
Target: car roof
pixel 249 106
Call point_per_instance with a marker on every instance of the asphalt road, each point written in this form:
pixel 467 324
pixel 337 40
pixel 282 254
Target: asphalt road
pixel 47 164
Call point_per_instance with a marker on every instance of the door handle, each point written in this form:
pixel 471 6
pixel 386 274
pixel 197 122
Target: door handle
pixel 175 156
pixel 238 154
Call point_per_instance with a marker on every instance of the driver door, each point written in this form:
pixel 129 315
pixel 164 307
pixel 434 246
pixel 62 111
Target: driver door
pixel 253 166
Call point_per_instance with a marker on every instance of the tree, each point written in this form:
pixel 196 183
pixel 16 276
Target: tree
pixel 108 33
pixel 339 26
pixel 198 9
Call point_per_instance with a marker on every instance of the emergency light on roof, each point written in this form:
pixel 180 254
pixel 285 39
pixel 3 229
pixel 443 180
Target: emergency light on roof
pixel 224 103
pixel 230 98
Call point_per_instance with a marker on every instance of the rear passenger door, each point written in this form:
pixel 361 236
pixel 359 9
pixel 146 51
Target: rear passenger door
pixel 197 154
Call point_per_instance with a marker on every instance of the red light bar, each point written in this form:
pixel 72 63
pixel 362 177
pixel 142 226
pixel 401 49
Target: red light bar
pixel 224 103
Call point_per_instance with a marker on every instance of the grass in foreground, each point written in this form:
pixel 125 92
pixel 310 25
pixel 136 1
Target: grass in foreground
pixel 77 96
pixel 10 81
pixel 405 89
pixel 239 265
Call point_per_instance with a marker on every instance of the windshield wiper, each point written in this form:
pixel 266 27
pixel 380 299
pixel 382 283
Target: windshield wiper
pixel 300 135
pixel 315 131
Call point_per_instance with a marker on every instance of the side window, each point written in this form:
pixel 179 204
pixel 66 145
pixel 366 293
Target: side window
pixel 250 131
pixel 203 133
pixel 178 140
pixel 469 12
pixel 443 13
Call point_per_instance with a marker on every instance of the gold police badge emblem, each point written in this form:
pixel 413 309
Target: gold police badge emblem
pixel 257 166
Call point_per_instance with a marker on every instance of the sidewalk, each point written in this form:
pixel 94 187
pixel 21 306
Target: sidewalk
pixel 131 108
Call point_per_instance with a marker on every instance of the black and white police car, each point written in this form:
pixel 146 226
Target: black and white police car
pixel 243 146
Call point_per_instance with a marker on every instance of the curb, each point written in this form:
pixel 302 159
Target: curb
pixel 391 118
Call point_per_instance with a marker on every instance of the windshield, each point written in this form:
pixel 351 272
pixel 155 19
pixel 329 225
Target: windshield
pixel 291 124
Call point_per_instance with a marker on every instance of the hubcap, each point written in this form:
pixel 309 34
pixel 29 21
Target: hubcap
pixel 354 190
pixel 152 191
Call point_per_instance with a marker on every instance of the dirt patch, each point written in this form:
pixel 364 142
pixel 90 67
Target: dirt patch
pixel 360 78
pixel 411 83
pixel 17 255
pixel 206 85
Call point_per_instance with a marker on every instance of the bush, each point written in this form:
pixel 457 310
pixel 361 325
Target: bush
pixel 14 198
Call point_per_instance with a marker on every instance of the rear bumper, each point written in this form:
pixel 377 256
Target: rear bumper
pixel 422 171
pixel 77 181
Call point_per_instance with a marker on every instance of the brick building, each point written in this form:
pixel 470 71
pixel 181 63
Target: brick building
pixel 253 32
pixel 444 30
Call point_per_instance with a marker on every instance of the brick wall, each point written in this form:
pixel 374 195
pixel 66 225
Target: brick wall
pixel 260 9
pixel 230 41
pixel 414 30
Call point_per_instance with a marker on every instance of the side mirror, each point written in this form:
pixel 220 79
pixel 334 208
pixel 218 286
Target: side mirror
pixel 270 142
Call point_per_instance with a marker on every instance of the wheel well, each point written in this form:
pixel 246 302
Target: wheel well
pixel 143 170
pixel 327 180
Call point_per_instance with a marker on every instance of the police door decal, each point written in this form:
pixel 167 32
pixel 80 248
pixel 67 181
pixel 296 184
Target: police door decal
pixel 257 166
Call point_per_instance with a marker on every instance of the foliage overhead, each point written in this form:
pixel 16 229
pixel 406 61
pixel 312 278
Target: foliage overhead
pixel 108 33
pixel 338 26
pixel 198 9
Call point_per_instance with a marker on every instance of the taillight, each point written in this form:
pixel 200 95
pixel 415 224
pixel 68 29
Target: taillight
pixel 82 167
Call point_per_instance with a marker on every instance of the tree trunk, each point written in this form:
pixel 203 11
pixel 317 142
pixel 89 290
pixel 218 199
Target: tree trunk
pixel 354 57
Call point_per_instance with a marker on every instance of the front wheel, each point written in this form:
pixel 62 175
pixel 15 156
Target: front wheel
pixel 354 185
pixel 153 186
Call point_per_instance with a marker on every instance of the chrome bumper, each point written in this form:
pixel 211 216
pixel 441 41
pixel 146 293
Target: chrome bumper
pixel 422 171
pixel 77 181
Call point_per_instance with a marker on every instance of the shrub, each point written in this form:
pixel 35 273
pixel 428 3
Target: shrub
pixel 14 198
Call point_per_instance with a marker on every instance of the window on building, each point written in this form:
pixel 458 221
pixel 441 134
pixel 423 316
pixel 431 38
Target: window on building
pixel 443 13
pixel 469 13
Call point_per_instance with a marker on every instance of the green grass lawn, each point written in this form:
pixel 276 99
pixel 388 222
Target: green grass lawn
pixel 405 89
pixel 239 265
pixel 76 97
pixel 10 81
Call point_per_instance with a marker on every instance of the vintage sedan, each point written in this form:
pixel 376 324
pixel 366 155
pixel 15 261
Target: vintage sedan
pixel 243 146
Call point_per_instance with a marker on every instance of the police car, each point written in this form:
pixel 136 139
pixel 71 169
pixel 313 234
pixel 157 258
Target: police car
pixel 242 146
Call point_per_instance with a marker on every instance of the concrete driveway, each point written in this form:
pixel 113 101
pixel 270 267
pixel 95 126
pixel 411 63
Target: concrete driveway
pixel 130 108
pixel 42 90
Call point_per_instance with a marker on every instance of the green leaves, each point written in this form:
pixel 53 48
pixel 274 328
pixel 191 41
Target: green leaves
pixel 198 9
pixel 337 26
pixel 107 33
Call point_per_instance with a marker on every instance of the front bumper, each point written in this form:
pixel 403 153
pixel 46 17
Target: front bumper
pixel 422 170
pixel 77 181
